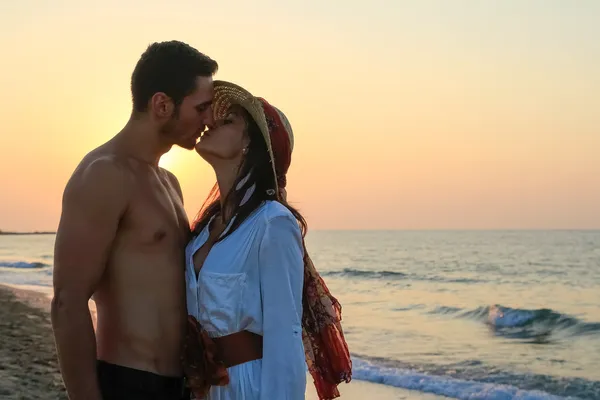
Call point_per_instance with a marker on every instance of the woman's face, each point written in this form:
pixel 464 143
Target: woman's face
pixel 226 140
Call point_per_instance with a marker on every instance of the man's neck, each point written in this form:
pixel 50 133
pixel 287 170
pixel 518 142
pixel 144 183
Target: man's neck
pixel 142 141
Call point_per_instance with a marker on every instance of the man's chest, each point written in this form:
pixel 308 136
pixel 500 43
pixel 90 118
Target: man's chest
pixel 156 214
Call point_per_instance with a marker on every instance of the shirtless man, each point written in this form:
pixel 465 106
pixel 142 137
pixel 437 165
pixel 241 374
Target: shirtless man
pixel 121 240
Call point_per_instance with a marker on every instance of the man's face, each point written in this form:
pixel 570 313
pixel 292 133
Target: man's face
pixel 194 114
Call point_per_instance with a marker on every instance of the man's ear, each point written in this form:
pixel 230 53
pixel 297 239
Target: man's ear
pixel 162 105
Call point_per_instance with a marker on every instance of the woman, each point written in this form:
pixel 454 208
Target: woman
pixel 259 312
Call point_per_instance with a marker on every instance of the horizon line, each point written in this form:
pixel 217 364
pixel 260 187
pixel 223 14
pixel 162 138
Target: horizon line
pixel 46 232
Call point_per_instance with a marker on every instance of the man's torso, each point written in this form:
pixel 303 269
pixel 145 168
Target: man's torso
pixel 140 300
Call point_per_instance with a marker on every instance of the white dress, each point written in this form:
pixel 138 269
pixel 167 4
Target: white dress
pixel 252 280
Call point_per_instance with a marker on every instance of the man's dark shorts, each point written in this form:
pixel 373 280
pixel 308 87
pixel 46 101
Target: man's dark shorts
pixel 124 383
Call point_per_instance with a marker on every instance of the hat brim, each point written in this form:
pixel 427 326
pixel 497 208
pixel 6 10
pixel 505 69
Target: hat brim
pixel 227 94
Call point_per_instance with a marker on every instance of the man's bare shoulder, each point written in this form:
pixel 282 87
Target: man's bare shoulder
pixel 99 173
pixel 169 174
pixel 174 181
pixel 101 160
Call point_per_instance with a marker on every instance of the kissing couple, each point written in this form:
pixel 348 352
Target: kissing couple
pixel 229 307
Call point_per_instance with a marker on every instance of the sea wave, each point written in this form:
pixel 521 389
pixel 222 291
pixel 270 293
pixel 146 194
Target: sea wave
pixel 32 272
pixel 467 383
pixel 524 323
pixel 23 265
pixel 393 275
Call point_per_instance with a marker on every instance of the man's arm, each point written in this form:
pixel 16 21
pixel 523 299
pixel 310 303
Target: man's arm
pixel 93 202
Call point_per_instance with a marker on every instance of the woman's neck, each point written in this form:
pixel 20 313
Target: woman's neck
pixel 226 176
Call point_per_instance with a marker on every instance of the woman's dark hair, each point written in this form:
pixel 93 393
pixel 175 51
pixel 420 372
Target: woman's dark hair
pixel 255 170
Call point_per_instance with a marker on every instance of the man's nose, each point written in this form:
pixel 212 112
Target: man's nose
pixel 209 120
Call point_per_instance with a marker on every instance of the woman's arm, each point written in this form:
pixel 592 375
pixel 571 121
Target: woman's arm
pixel 281 279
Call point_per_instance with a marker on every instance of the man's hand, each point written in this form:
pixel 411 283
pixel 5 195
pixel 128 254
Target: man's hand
pixel 93 202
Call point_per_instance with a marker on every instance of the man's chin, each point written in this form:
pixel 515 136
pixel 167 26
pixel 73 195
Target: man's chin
pixel 187 145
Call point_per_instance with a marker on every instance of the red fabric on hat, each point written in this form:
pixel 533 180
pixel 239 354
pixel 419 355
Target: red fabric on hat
pixel 280 142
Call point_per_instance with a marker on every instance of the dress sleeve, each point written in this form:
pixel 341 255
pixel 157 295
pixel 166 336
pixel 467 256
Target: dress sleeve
pixel 281 279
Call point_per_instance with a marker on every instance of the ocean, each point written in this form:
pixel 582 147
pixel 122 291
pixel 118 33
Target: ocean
pixel 496 315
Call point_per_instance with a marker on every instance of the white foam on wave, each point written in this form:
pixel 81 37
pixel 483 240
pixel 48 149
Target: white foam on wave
pixel 506 317
pixel 442 385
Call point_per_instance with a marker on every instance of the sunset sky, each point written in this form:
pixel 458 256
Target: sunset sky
pixel 407 114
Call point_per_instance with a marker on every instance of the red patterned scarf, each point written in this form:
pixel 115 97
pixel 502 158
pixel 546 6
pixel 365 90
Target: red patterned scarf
pixel 326 350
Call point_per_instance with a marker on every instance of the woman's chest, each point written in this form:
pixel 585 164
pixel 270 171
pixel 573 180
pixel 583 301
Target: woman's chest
pixel 228 257
pixel 235 253
pixel 227 284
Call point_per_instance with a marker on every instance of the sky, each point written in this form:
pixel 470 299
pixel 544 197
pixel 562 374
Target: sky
pixel 407 114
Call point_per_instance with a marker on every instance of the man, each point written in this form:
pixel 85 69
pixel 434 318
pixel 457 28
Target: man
pixel 121 239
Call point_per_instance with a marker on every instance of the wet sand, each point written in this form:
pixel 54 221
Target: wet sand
pixel 29 367
pixel 28 364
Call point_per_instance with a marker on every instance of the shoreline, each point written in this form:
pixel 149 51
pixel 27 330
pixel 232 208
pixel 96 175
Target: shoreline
pixel 29 367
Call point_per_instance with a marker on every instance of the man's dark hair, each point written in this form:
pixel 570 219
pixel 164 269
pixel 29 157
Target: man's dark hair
pixel 169 67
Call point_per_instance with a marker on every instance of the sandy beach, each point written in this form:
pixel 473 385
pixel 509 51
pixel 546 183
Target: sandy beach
pixel 29 368
pixel 28 364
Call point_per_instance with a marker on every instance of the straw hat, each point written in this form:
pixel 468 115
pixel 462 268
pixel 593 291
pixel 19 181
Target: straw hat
pixel 268 118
